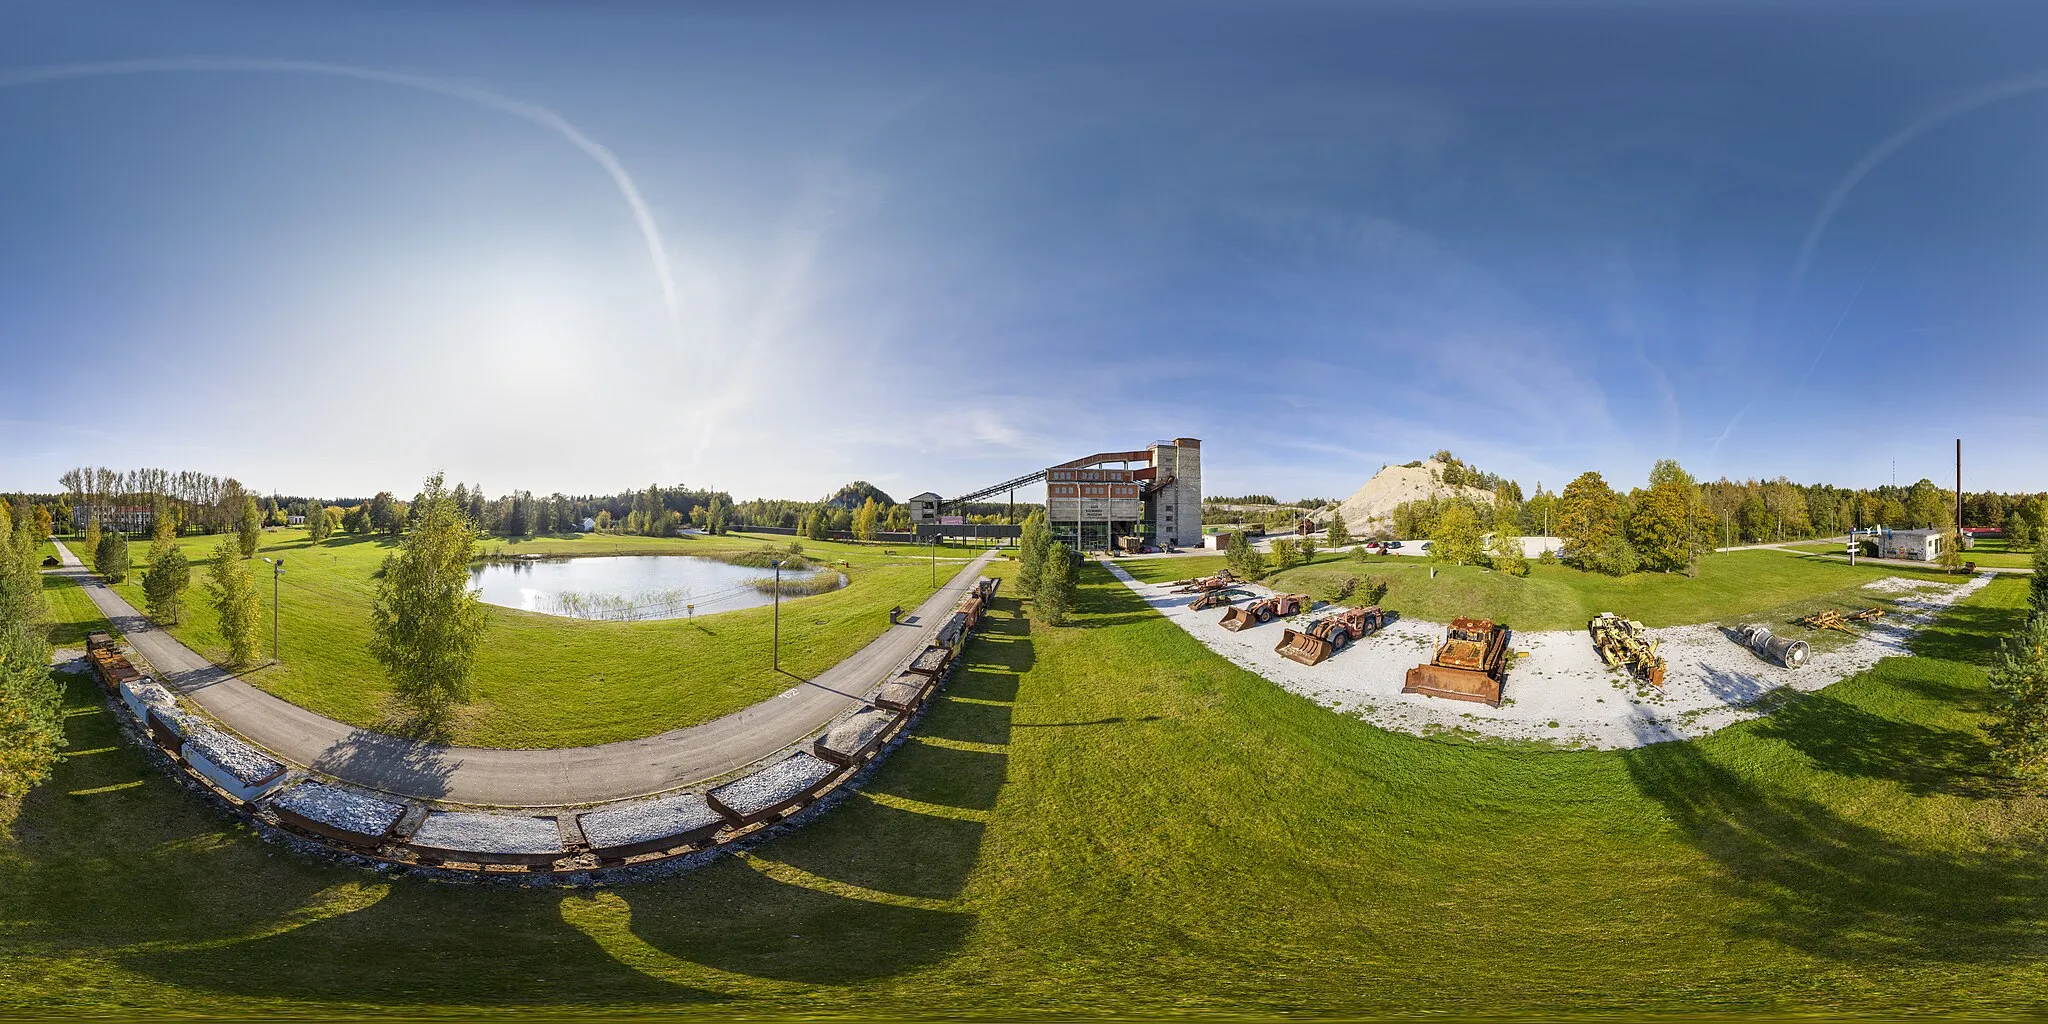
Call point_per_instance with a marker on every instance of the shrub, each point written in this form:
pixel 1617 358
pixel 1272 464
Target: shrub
pixel 1548 557
pixel 2019 714
pixel 1613 556
pixel 1338 593
pixel 1373 590
pixel 1284 554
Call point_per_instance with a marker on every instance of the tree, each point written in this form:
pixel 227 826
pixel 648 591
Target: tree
pixel 1245 561
pixel 1456 538
pixel 385 516
pixel 1340 531
pixel 864 524
pixel 110 558
pixel 425 623
pixel 1587 515
pixel 2019 534
pixel 164 585
pixel 31 720
pixel 272 515
pixel 1032 544
pixel 604 521
pixel 2019 712
pixel 163 533
pixel 1284 553
pixel 233 595
pixel 41 524
pixel 1660 527
pixel 249 530
pixel 2037 585
pixel 1951 549
pixel 1506 553
pixel 92 534
pixel 356 521
pixel 319 525
pixel 1058 587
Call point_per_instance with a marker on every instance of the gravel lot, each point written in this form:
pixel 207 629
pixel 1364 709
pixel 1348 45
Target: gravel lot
pixel 1560 692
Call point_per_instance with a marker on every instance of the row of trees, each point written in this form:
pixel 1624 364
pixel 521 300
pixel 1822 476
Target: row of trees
pixel 31 721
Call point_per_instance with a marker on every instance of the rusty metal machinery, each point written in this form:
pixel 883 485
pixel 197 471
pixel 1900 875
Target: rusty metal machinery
pixel 1330 634
pixel 1468 665
pixel 1626 644
pixel 1260 612
pixel 1218 598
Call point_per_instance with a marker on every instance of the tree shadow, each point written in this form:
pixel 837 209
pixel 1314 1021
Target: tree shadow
pixel 1808 878
pixel 1846 740
pixel 1959 633
pixel 744 921
pixel 394 764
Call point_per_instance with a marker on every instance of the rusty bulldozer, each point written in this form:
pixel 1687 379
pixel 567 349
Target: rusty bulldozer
pixel 1260 612
pixel 1219 597
pixel 1204 583
pixel 1468 665
pixel 1330 634
pixel 1626 644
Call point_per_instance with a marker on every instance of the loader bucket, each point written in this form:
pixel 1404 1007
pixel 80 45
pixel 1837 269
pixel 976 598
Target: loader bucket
pixel 1453 684
pixel 1238 617
pixel 1306 648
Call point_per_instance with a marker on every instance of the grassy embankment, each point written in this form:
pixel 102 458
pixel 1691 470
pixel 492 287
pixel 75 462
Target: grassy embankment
pixel 1107 818
pixel 1733 587
pixel 543 680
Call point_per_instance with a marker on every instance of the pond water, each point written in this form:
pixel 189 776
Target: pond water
pixel 629 587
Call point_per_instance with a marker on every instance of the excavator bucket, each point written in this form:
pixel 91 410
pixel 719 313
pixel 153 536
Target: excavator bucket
pixel 1453 684
pixel 1240 617
pixel 1304 647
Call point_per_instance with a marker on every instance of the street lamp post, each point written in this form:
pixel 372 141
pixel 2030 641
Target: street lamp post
pixel 775 657
pixel 276 573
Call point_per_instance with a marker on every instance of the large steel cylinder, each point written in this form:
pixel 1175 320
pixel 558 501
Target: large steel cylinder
pixel 1785 651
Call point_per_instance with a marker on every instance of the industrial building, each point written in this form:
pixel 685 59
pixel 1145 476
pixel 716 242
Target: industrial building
pixel 1917 545
pixel 125 518
pixel 1151 495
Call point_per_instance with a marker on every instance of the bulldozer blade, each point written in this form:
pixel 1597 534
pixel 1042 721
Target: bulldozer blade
pixel 1306 648
pixel 1453 684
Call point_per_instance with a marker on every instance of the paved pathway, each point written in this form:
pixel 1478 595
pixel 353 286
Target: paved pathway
pixel 523 778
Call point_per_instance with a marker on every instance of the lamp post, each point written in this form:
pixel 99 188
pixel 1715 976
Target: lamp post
pixel 775 657
pixel 276 572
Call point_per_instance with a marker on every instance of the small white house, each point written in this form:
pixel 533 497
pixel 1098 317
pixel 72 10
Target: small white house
pixel 1917 545
pixel 589 525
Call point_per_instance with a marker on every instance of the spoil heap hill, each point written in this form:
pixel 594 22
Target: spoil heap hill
pixel 1372 506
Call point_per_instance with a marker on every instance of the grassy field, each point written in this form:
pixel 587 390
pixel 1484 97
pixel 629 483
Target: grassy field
pixel 547 681
pixel 1732 587
pixel 1108 819
pixel 1988 552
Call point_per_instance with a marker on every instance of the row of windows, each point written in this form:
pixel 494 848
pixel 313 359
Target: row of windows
pixel 1092 490
pixel 1089 475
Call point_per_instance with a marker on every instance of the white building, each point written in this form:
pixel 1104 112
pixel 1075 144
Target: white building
pixel 1917 545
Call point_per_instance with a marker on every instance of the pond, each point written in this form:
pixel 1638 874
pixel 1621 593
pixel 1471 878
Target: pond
pixel 631 587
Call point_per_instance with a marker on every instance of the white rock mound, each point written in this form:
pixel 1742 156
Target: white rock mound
pixel 1372 506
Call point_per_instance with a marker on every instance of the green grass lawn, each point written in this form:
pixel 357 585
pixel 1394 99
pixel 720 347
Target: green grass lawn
pixel 547 681
pixel 1731 587
pixel 1108 819
pixel 72 614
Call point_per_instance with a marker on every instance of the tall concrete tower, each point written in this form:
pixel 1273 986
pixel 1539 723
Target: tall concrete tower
pixel 1177 508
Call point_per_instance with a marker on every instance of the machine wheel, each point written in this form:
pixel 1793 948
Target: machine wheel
pixel 1265 615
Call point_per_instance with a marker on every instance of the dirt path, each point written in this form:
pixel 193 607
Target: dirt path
pixel 522 778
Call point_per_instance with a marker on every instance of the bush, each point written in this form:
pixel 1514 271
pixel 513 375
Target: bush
pixel 1373 590
pixel 1613 556
pixel 1285 554
pixel 1337 593
pixel 1548 557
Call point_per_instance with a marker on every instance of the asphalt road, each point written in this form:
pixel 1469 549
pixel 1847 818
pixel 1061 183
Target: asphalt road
pixel 524 778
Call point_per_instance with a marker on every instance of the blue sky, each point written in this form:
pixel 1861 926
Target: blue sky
pixel 330 248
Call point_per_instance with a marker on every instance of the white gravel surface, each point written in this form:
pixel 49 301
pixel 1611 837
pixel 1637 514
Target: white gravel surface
pixel 344 809
pixel 647 820
pixel 857 732
pixel 930 660
pixel 1560 692
pixel 774 785
pixel 248 765
pixel 475 832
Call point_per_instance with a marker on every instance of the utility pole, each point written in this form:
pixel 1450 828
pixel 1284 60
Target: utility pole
pixel 1959 491
pixel 276 572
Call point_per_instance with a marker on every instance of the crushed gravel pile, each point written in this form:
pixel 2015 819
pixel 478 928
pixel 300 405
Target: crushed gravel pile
pixel 472 832
pixel 1373 504
pixel 930 660
pixel 1904 585
pixel 901 693
pixel 1560 691
pixel 777 784
pixel 344 809
pixel 648 820
pixel 858 732
pixel 248 765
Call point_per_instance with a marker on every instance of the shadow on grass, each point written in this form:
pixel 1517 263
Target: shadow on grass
pixel 746 922
pixel 1841 738
pixel 1806 877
